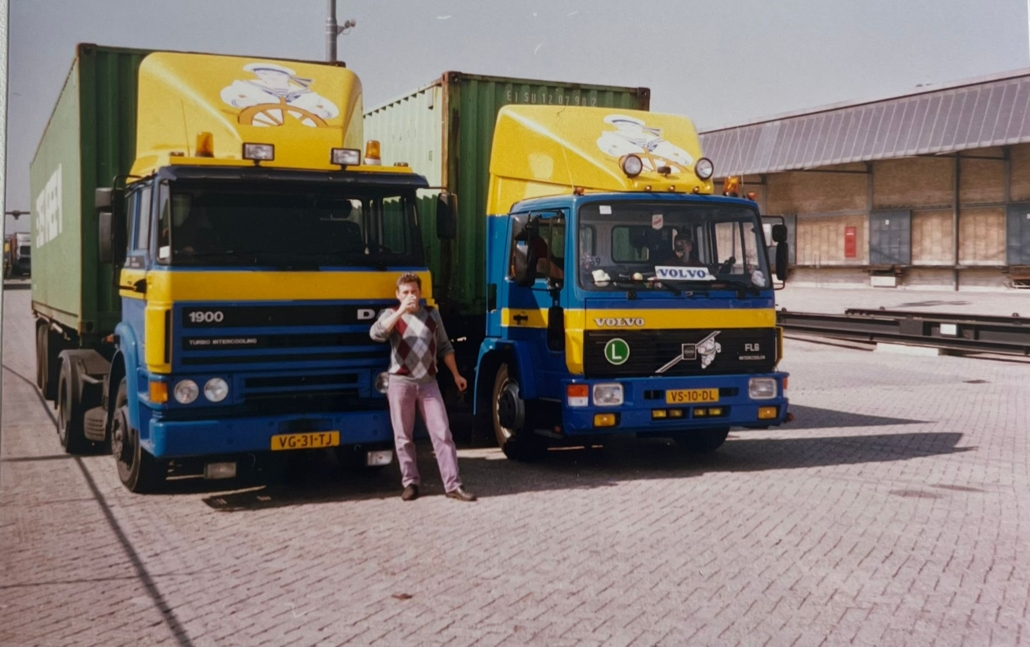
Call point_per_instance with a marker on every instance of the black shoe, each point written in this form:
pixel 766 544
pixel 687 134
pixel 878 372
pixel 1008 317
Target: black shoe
pixel 461 494
pixel 410 493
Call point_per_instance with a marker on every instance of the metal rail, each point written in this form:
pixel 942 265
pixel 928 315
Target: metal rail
pixel 958 332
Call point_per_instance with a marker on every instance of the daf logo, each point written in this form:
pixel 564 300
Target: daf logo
pixel 619 323
pixel 706 349
pixel 364 314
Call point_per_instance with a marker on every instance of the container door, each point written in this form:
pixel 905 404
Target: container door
pixel 890 238
pixel 1018 234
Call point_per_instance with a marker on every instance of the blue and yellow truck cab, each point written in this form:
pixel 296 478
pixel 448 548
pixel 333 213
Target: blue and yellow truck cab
pixel 624 298
pixel 251 248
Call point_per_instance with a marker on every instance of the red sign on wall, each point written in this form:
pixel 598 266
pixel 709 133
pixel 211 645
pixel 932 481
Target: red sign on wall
pixel 850 242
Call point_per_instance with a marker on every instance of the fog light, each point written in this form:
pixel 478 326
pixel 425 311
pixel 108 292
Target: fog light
pixel 604 420
pixel 159 392
pixel 379 458
pixel 215 471
pixel 675 413
pixel 768 413
pixel 578 395
pixel 659 414
pixel 608 395
pixel 383 382
pixel 714 412
pixel 346 156
pixel 259 152
pixel 700 413
pixel 761 388
pixel 216 389
pixel 186 391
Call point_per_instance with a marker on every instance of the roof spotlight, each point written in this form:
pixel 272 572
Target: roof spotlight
pixel 704 168
pixel 631 165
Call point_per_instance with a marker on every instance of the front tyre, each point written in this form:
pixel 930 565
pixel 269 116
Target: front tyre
pixel 509 420
pixel 138 471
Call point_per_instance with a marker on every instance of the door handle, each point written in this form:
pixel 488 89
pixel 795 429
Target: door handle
pixel 520 319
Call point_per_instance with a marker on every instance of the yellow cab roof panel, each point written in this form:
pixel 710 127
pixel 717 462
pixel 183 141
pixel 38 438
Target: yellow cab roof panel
pixel 553 150
pixel 303 109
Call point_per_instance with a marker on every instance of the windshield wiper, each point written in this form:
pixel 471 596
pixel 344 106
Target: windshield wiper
pixel 743 287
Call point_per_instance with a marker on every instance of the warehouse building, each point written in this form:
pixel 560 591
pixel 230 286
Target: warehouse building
pixel 927 190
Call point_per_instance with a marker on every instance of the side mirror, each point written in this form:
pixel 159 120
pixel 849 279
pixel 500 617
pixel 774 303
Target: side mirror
pixel 781 258
pixel 446 216
pixel 103 198
pixel 779 233
pixel 112 237
pixel 556 328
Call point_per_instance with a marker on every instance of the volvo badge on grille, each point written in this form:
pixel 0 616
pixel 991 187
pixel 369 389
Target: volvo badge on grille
pixel 707 349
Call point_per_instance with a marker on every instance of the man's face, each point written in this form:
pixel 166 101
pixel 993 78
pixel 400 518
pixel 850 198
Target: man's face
pixel 683 247
pixel 404 289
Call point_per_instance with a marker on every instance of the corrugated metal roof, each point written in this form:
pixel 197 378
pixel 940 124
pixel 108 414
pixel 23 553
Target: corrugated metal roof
pixel 962 117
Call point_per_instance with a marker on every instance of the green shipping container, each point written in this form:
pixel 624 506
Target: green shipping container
pixel 91 138
pixel 444 131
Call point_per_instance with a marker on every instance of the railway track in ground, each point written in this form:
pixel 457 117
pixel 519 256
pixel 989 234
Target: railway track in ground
pixel 950 331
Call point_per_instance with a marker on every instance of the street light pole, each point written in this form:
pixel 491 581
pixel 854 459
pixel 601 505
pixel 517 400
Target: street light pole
pixel 333 30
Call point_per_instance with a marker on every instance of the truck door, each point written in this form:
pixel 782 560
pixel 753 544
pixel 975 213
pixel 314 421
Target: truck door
pixel 523 308
pixel 132 282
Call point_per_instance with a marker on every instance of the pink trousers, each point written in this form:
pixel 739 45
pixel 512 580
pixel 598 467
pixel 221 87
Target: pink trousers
pixel 404 398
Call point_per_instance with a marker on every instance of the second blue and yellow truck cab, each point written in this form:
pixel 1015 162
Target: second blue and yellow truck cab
pixel 252 248
pixel 624 297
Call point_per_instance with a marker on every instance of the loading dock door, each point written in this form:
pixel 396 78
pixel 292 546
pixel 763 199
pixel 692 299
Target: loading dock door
pixel 1018 234
pixel 890 238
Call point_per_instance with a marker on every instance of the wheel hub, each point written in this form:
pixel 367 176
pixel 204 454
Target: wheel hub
pixel 511 410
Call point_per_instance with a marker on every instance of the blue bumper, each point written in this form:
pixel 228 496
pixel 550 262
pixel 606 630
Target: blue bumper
pixel 644 396
pixel 181 438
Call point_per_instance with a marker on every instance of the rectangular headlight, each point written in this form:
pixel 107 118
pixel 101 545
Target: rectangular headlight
pixel 259 152
pixel 345 156
pixel 607 395
pixel 761 388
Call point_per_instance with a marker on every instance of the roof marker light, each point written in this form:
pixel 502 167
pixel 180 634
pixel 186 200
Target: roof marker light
pixel 205 144
pixel 372 156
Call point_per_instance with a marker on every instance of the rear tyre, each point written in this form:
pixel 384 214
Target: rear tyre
pixel 48 362
pixel 509 419
pixel 138 471
pixel 703 440
pixel 69 411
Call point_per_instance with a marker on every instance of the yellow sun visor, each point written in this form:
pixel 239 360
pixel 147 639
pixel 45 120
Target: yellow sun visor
pixel 553 150
pixel 303 110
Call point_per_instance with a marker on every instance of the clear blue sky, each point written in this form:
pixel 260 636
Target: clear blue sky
pixel 720 63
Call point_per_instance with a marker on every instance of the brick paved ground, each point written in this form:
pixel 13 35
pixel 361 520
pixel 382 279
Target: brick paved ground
pixel 895 511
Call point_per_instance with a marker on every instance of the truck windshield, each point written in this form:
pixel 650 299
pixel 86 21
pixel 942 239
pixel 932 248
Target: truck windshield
pixel 641 245
pixel 270 224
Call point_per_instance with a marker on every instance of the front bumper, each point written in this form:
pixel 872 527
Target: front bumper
pixel 185 438
pixel 644 395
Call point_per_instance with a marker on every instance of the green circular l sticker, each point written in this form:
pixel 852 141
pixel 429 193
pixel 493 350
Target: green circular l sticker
pixel 616 351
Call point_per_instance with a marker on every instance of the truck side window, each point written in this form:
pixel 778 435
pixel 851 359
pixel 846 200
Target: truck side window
pixel 131 204
pixel 142 239
pixel 164 225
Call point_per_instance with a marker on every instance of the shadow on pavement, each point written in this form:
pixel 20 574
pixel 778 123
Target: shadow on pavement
pixel 487 473
pixel 930 304
pixel 17 285
pixel 816 418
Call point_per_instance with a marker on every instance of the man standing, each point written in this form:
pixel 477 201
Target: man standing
pixel 417 337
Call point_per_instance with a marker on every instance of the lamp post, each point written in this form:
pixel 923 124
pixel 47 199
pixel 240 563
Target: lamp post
pixel 333 30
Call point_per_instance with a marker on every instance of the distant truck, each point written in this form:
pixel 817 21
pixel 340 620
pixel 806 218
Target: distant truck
pixel 211 249
pixel 18 255
pixel 620 296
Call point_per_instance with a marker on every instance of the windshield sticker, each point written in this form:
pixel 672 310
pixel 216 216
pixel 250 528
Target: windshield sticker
pixel 633 137
pixel 666 273
pixel 601 278
pixel 278 96
pixel 657 221
pixel 605 209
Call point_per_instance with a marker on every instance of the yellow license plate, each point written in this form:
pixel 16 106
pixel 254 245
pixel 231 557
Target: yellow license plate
pixel 691 396
pixel 310 440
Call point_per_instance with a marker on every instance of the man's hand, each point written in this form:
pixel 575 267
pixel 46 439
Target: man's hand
pixel 460 382
pixel 410 304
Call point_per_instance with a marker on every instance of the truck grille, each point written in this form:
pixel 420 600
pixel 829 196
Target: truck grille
pixel 740 350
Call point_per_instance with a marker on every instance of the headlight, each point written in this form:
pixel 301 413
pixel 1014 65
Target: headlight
pixel 186 391
pixel 704 168
pixel 761 388
pixel 216 389
pixel 607 395
pixel 383 382
pixel 632 165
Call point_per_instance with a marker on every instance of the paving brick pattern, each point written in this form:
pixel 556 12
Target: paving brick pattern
pixel 894 511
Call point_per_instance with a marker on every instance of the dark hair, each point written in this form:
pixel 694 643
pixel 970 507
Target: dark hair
pixel 409 277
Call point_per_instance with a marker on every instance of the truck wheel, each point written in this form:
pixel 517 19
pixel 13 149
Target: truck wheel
pixel 69 411
pixel 138 471
pixel 509 417
pixel 703 440
pixel 48 364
